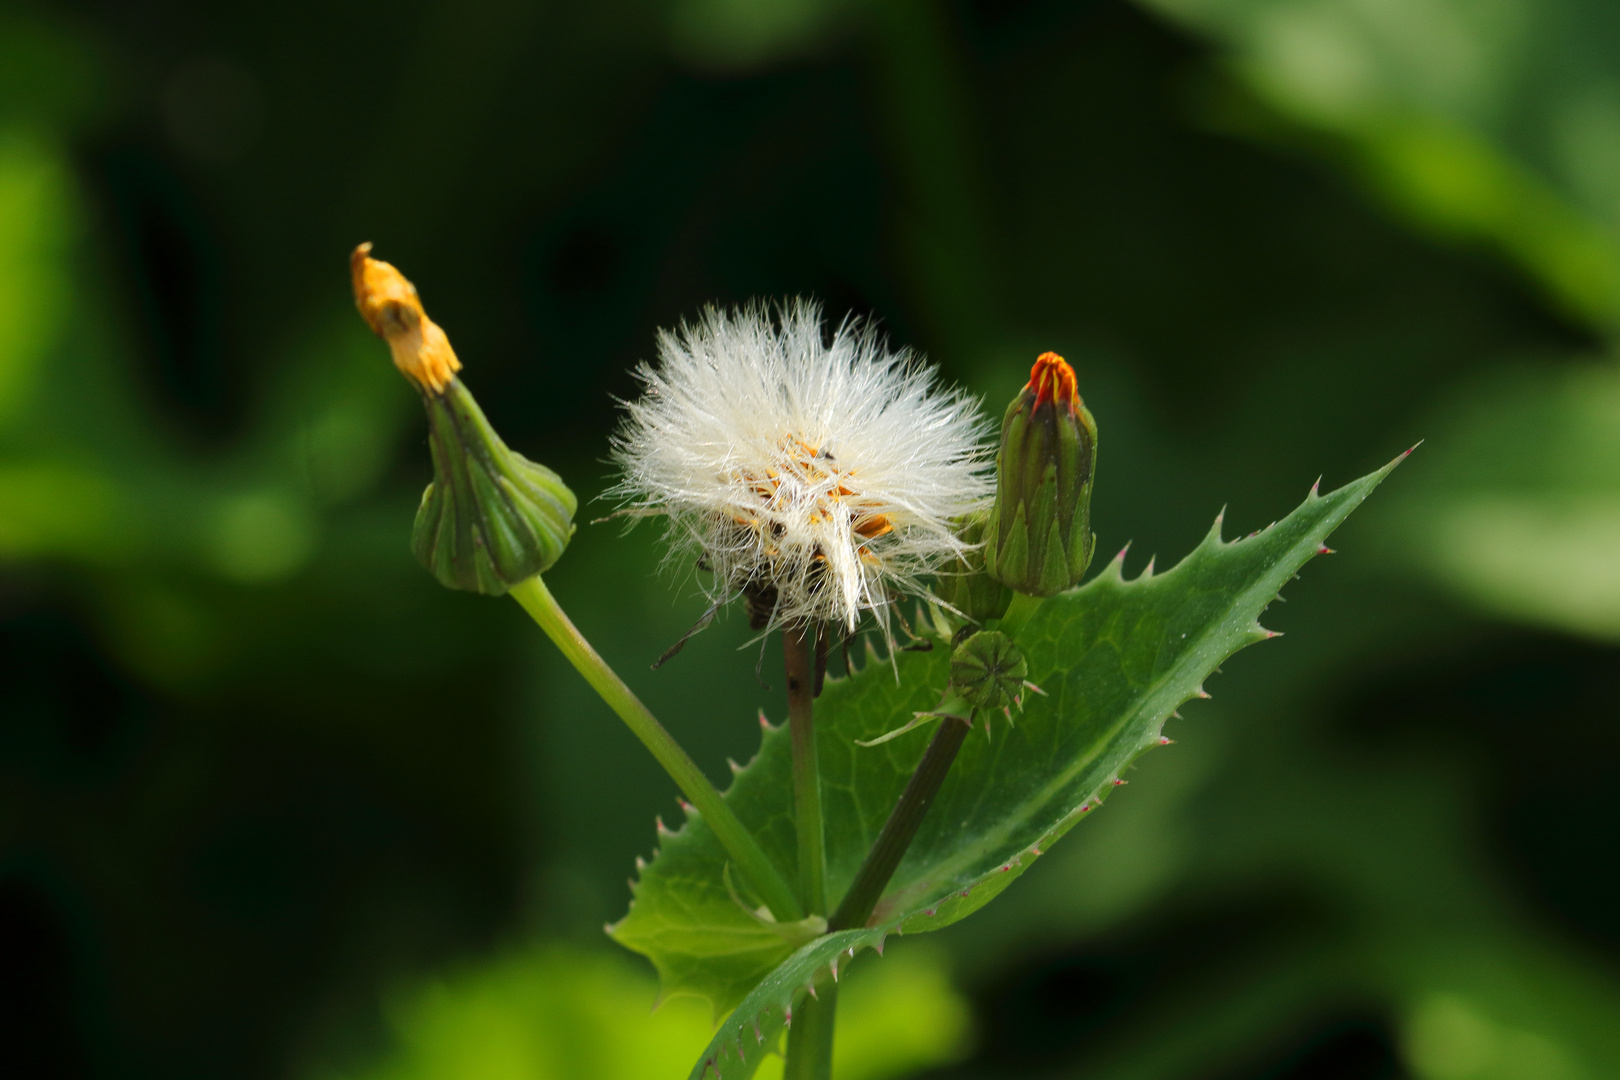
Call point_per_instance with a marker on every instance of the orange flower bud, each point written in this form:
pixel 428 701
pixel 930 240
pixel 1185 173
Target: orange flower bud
pixel 1038 540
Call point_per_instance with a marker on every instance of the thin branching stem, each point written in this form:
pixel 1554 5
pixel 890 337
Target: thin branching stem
pixel 1018 612
pixel 901 828
pixel 739 843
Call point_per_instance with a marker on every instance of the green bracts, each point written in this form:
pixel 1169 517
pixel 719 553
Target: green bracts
pixel 964 584
pixel 988 671
pixel 491 518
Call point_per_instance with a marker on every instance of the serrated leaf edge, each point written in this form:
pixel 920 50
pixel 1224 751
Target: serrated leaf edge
pixel 959 902
pixel 768 1008
pixel 964 900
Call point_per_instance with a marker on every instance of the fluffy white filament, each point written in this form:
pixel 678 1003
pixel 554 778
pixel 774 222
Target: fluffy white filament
pixel 819 479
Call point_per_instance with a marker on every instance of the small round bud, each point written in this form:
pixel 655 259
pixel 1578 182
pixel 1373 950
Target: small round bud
pixel 988 671
pixel 1038 539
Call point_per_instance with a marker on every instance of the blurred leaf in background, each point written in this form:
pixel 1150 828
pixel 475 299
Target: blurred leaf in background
pixel 1521 512
pixel 1496 124
pixel 1493 121
pixel 556 1012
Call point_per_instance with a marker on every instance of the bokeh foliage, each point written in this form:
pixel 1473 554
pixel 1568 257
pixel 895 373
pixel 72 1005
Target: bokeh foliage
pixel 259 775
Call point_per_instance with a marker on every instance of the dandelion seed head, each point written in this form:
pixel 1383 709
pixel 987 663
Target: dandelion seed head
pixel 818 478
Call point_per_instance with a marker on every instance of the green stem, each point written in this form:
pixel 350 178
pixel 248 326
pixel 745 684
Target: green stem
pixel 1018 612
pixel 810 1040
pixel 806 772
pixel 907 815
pixel 738 841
pixel 809 1051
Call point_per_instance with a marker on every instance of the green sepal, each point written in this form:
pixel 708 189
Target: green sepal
pixel 965 585
pixel 491 518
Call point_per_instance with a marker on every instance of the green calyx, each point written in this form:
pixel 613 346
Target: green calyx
pixel 491 518
pixel 965 585
pixel 1038 539
pixel 988 671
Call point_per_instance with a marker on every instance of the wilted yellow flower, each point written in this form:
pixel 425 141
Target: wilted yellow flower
pixel 390 306
pixel 491 518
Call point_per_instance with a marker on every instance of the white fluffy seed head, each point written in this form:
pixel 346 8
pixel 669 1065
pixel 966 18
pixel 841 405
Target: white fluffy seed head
pixel 819 479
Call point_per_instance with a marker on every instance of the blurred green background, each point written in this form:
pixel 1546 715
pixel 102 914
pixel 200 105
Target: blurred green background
pixel 275 805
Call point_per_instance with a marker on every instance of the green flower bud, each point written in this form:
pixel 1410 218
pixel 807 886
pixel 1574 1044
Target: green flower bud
pixel 963 583
pixel 491 518
pixel 1039 540
pixel 988 671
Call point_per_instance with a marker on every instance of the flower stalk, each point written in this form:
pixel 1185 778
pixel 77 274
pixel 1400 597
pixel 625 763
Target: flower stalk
pixel 810 1040
pixel 806 770
pixel 1023 605
pixel 738 841
pixel 809 1050
pixel 904 820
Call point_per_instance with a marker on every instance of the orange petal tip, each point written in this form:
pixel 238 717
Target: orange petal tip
pixel 1052 379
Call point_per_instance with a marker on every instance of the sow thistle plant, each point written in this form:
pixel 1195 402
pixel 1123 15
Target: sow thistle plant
pixel 835 490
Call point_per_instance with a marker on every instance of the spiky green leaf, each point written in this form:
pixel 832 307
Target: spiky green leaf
pixel 753 1029
pixel 1115 658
